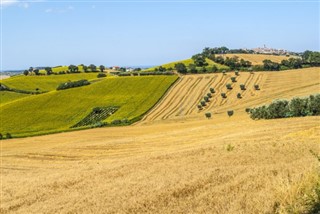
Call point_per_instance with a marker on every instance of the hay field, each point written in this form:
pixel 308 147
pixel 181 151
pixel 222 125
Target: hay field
pixel 180 164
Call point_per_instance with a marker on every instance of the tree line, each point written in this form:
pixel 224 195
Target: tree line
pixel 297 107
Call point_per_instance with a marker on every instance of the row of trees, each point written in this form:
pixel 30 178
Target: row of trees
pixel 297 107
pixel 308 58
pixel 71 69
pixel 73 84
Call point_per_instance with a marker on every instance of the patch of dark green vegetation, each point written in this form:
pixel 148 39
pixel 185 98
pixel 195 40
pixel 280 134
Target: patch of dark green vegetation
pixel 96 116
pixel 124 74
pixel 297 107
pixel 6 88
pixel 73 84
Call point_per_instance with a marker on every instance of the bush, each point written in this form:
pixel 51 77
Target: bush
pixel 233 79
pixel 229 86
pixel 199 106
pixel 239 96
pixel 206 98
pixel 100 75
pixel 208 115
pixel 8 136
pixel 242 87
pixel 248 110
pixel 224 72
pixel 1 136
pixel 209 95
pixel 256 87
pixel 236 73
pixel 203 103
pixel 223 95
pixel 230 113
pixel 212 90
pixel 74 84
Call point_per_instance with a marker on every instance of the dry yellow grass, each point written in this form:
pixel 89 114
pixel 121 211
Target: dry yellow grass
pixel 257 59
pixel 183 164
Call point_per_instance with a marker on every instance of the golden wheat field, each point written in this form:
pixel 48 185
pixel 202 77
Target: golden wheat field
pixel 175 160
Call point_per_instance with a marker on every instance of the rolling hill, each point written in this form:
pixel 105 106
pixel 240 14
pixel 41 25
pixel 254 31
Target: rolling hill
pixel 174 160
pixel 59 110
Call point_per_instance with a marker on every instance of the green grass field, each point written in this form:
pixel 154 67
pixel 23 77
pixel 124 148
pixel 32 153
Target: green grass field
pixel 187 62
pixel 8 96
pixel 44 83
pixel 59 110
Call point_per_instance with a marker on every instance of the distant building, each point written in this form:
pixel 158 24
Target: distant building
pixel 266 50
pixel 115 68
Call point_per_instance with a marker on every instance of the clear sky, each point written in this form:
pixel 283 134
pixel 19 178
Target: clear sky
pixel 49 33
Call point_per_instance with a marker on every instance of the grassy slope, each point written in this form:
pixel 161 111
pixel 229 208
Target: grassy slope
pixel 8 96
pixel 187 62
pixel 44 83
pixel 58 110
pixel 257 59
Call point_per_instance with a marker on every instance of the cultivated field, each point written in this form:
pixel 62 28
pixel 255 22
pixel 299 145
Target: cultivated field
pixel 59 110
pixel 175 160
pixel 182 100
pixel 257 59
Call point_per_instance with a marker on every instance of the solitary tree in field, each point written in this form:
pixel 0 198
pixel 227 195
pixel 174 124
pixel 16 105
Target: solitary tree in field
pixel 102 68
pixel 208 115
pixel 92 67
pixel 230 113
pixel 26 72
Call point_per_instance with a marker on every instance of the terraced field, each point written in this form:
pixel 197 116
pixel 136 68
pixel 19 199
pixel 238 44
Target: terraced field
pixel 182 100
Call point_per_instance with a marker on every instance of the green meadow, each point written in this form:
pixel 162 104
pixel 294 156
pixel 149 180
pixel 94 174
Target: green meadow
pixel 44 83
pixel 57 111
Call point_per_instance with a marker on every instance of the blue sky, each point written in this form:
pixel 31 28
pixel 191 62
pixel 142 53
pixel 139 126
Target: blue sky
pixel 49 33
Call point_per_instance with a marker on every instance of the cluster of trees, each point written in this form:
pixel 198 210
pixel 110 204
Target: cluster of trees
pixel 308 58
pixel 297 107
pixel 233 62
pixel 71 69
pixel 73 84
pixel 6 136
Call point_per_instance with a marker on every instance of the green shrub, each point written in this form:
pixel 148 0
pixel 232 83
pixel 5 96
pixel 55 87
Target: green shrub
pixel 230 148
pixel 203 103
pixel 223 95
pixel 1 136
pixel 248 110
pixel 239 96
pixel 206 98
pixel 229 86
pixel 74 84
pixel 208 115
pixel 8 136
pixel 236 73
pixel 100 75
pixel 256 87
pixel 233 79
pixel 224 72
pixel 230 113
pixel 212 90
pixel 242 87
pixel 199 106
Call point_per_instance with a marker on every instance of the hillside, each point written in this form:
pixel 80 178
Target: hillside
pixel 44 83
pixel 183 98
pixel 187 62
pixel 59 110
pixel 257 59
pixel 176 160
